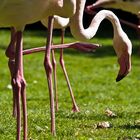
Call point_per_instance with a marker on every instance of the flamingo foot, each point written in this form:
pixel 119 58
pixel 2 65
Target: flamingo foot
pixel 75 109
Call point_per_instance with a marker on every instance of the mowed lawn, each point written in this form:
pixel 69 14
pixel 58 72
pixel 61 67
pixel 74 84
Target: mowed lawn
pixel 92 77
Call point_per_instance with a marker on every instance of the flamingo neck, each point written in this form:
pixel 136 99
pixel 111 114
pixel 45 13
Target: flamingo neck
pixel 78 30
pixel 114 21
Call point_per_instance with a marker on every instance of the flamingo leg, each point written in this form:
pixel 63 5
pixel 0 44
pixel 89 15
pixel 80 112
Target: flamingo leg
pixel 48 69
pixel 19 85
pixel 23 95
pixel 55 80
pixel 10 53
pixel 75 107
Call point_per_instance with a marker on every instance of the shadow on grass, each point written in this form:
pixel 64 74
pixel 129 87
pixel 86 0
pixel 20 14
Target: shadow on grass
pixel 100 52
pixel 96 117
pixel 37 99
pixel 129 126
pixel 83 116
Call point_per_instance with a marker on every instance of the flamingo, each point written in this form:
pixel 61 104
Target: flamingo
pixel 128 6
pixel 32 11
pixel 61 23
pixel 17 74
pixel 121 43
pixel 28 12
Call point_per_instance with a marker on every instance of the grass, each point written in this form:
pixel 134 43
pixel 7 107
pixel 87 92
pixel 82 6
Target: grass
pixel 92 77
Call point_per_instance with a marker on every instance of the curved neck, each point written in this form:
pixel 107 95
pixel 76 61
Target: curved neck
pixel 115 22
pixel 76 22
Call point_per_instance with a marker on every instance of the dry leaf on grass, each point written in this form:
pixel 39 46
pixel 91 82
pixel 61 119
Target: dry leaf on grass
pixel 104 125
pixel 110 113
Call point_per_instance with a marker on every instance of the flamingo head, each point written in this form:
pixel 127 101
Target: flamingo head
pixel 123 49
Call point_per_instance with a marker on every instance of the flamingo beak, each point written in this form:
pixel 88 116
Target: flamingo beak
pixel 125 66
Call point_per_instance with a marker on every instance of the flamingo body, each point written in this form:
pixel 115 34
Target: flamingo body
pixel 59 22
pixel 18 13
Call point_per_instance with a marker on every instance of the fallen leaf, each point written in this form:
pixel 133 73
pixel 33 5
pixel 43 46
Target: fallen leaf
pixel 104 125
pixel 110 113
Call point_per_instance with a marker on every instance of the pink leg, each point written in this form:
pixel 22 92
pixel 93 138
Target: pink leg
pixel 48 69
pixel 55 80
pixel 23 95
pixel 75 107
pixel 19 85
pixel 84 47
pixel 10 53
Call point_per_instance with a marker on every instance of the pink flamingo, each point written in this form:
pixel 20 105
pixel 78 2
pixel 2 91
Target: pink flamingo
pixel 122 44
pixel 86 47
pixel 41 9
pixel 28 12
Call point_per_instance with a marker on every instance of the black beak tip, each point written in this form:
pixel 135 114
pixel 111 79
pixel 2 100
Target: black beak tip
pixel 119 78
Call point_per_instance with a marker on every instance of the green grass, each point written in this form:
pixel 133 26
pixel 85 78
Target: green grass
pixel 92 77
